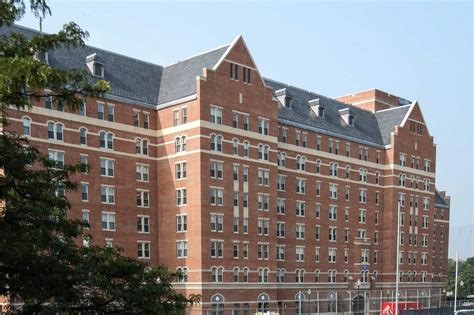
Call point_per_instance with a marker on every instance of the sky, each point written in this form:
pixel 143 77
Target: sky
pixel 417 50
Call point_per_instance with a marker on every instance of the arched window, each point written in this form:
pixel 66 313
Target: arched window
pixel 55 131
pixel 364 276
pixel 216 143
pixel 180 144
pixel 348 171
pixel 83 136
pixel 281 275
pixel 235 147
pixel 236 273
pixel 318 167
pixel 263 275
pixel 182 274
pixel 332 276
pixel 332 302
pixel 106 140
pixel 377 178
pixel 217 274
pixel 299 302
pixel 300 163
pixel 102 139
pixel 401 181
pixel 281 159
pixel 346 275
pixel 110 141
pixel 246 149
pixel 299 273
pixel 317 276
pixel 245 275
pixel 263 303
pixel 333 167
pixel 26 126
pixel 217 304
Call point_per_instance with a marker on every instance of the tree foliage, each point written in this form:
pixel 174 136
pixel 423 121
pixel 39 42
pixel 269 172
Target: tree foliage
pixel 41 265
pixel 465 274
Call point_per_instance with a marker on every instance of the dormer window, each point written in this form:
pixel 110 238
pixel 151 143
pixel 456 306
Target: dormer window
pixel 351 120
pixel 95 65
pixel 42 56
pixel 98 69
pixel 284 98
pixel 288 102
pixel 347 116
pixel 317 107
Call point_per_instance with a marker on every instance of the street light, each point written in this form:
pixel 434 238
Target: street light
pixel 309 300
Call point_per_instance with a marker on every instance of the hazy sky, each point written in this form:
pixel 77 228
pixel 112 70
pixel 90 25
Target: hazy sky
pixel 416 50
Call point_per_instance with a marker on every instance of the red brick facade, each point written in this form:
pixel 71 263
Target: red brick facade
pixel 354 226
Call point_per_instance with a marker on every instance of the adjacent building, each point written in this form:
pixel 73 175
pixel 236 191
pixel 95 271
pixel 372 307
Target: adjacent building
pixel 266 196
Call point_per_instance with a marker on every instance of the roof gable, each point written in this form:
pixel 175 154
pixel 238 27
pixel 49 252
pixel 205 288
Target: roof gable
pixel 390 118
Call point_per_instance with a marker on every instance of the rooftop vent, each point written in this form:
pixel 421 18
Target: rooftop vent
pixel 95 65
pixel 317 107
pixel 347 116
pixel 284 97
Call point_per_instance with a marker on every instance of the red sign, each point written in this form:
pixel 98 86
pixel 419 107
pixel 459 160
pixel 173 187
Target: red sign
pixel 388 308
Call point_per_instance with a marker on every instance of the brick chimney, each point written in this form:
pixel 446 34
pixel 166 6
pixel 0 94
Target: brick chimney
pixel 373 100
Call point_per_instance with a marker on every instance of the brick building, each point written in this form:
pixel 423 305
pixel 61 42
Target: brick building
pixel 265 195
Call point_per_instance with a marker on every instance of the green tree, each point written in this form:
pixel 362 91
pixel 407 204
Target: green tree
pixel 465 274
pixel 41 264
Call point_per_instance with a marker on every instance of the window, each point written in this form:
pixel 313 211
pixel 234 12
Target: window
pixel 48 101
pixel 318 210
pixel 245 255
pixel 100 111
pixel 362 215
pixel 317 254
pixel 55 131
pixel 107 167
pixel 300 231
pixel 332 234
pixel 331 146
pixel 216 143
pixel 182 274
pixel 401 199
pixel 263 177
pixel 263 125
pixel 318 232
pixel 348 172
pixel 143 224
pixel 107 194
pixel 234 71
pixel 300 208
pixel 175 118
pixel 401 180
pixel 217 169
pixel 300 163
pixel 84 161
pixel 111 112
pixel 143 249
pixel 364 257
pixel 235 147
pixel 281 229
pixel 246 121
pixel 281 206
pixel 217 248
pixel 297 137
pixel 363 175
pixel 263 275
pixel 181 197
pixel 181 223
pixel 332 255
pixel 217 223
pixel 235 120
pixel 263 201
pixel 281 159
pixel 245 200
pixel 362 195
pixel 181 249
pixel 347 193
pixel 333 191
pixel 216 115
pixel 263 152
pixel 262 251
pixel 299 273
pixel 318 143
pixel 333 167
pixel 299 253
pixel 246 147
pixel 236 198
pixel 85 191
pixel 403 159
pixel 281 252
pixel 281 275
pixel 262 225
pixel 86 216
pixel 427 166
pixel 108 221
pixel 146 120
pixel 180 169
pixel 26 126
pixel 180 144
pixel 142 172
pixel 83 136
pixel 141 146
pixel 216 196
pixel 333 212
pixel 143 198
pixel 318 189
pixel 236 224
pixel 318 167
pixel 106 140
pixel 300 186
pixel 136 118
pixel 247 72
pixel 57 157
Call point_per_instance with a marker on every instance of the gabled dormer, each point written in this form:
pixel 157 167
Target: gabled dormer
pixel 347 116
pixel 95 65
pixel 317 107
pixel 284 97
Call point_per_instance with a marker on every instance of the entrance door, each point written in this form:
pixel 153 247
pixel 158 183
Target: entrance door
pixel 358 305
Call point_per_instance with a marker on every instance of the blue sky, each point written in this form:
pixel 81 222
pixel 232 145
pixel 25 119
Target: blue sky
pixel 417 50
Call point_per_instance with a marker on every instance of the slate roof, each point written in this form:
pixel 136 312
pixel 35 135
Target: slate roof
pixel 151 84
pixel 368 127
pixel 439 200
